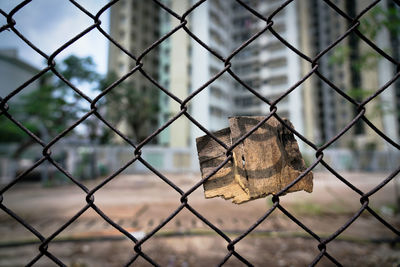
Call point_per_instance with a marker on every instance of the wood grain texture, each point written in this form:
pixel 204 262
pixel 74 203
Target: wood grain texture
pixel 264 163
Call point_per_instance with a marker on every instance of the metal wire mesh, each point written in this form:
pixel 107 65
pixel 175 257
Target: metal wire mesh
pixel 323 243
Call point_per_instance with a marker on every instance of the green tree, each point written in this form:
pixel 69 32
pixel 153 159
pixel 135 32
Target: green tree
pixel 49 109
pixel 380 18
pixel 373 22
pixel 136 107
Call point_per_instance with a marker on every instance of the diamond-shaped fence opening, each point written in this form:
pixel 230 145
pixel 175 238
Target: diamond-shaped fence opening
pixel 231 51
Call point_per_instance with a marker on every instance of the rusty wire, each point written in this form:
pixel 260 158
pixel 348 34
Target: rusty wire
pixel 323 243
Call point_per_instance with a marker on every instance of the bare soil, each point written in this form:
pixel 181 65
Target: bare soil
pixel 139 203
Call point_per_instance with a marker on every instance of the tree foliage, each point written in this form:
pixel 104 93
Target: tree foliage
pixel 372 23
pixel 136 107
pixel 49 109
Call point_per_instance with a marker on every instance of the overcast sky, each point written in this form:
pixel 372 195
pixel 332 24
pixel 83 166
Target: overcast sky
pixel 48 24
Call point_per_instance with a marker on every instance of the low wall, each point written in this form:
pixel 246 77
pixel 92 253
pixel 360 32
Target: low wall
pixel 88 162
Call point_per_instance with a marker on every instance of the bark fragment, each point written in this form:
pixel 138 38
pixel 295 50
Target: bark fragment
pixel 264 163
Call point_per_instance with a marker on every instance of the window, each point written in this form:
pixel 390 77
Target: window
pixel 277 80
pixel 216 37
pixel 213 71
pixel 122 19
pixel 215 19
pixel 276 63
pixel 274 46
pixel 216 92
pixel 166 68
pixel 247 101
pixel 216 111
pixel 252 83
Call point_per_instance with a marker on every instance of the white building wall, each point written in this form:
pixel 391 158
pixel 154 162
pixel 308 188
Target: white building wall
pixel 296 113
pixel 13 75
pixel 199 106
pixel 385 74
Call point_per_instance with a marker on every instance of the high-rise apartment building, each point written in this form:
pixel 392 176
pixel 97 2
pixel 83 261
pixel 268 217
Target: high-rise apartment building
pixel 349 67
pixel 389 40
pixel 174 75
pixel 326 111
pixel 135 26
pixel 266 65
pixel 211 23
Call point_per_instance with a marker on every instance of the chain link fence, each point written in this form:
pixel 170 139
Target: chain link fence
pixel 360 107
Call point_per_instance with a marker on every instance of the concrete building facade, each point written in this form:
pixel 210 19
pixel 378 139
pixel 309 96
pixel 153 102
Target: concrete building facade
pixel 174 75
pixel 212 107
pixel 390 40
pixel 266 65
pixel 352 71
pixel 135 26
pixel 14 72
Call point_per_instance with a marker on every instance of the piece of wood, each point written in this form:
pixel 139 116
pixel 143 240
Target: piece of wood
pixel 264 163
pixel 211 155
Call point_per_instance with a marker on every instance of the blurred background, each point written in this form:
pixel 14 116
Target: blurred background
pixel 137 107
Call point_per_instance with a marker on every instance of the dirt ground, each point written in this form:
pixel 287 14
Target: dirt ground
pixel 139 203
